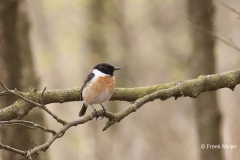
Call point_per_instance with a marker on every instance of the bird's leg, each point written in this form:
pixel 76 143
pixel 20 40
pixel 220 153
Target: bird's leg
pixel 95 112
pixel 104 111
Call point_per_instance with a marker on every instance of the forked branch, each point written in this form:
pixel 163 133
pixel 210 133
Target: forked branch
pixel 139 97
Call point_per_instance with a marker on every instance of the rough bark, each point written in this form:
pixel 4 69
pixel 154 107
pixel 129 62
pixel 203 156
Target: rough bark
pixel 190 88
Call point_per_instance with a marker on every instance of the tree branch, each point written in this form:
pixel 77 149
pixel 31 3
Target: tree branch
pixel 11 149
pixel 27 124
pixel 34 103
pixel 21 107
pixel 189 88
pixel 55 134
pixel 140 96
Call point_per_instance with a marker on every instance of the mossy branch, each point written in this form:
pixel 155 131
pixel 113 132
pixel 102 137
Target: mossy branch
pixel 139 97
pixel 191 88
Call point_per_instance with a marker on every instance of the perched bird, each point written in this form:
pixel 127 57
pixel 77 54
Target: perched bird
pixel 98 87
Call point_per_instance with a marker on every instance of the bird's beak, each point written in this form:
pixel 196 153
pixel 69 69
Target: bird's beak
pixel 117 68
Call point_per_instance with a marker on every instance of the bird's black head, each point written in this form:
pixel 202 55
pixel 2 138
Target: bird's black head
pixel 106 68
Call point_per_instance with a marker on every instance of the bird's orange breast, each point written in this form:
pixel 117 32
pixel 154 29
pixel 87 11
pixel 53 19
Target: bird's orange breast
pixel 99 91
pixel 104 83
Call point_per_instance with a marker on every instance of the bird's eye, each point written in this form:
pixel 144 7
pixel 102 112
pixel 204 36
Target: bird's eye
pixel 105 68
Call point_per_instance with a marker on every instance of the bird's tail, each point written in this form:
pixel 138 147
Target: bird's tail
pixel 83 110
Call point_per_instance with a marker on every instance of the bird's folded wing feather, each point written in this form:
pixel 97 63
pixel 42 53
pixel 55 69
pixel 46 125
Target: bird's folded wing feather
pixel 86 81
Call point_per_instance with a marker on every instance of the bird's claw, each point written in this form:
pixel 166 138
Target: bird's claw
pixel 96 114
pixel 104 113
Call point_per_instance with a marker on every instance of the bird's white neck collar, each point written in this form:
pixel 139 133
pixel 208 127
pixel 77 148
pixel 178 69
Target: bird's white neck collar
pixel 99 73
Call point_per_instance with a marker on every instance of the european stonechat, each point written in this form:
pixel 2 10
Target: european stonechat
pixel 98 87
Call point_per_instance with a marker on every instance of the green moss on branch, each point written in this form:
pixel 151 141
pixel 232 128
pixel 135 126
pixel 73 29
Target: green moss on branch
pixel 191 88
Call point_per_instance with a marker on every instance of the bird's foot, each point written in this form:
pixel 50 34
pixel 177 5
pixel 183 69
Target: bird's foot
pixel 104 113
pixel 96 114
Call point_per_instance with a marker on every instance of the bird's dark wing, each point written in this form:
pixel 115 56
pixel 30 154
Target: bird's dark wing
pixel 89 77
pixel 83 110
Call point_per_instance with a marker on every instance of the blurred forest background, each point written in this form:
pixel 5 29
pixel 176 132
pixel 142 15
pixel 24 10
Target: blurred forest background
pixel 151 41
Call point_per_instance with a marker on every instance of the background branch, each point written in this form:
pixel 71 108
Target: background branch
pixel 230 44
pixel 27 124
pixel 228 7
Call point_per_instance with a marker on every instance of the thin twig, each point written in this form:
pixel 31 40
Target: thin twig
pixel 4 93
pixel 60 132
pixel 41 98
pixel 228 7
pixel 34 143
pixel 8 148
pixel 55 136
pixel 63 122
pixel 27 124
pixel 215 36
pixel 18 95
pixel 224 35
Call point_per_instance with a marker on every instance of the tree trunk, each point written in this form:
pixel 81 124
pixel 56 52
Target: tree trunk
pixel 202 61
pixel 17 71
